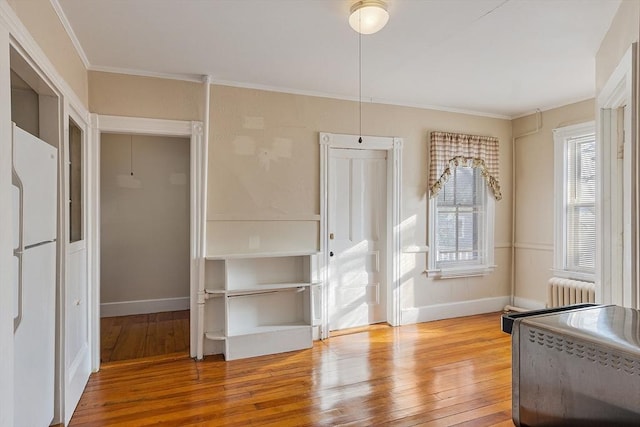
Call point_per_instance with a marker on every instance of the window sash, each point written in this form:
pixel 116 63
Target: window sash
pixel 460 219
pixel 576 166
pixel 581 204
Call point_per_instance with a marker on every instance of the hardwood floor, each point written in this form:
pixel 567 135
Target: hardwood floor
pixel 449 372
pixel 144 335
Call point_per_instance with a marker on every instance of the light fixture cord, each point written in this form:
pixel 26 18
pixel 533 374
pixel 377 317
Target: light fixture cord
pixel 360 75
pixel 131 154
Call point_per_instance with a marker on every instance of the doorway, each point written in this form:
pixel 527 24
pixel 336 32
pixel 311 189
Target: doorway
pixel 360 230
pixel 144 201
pixel 193 180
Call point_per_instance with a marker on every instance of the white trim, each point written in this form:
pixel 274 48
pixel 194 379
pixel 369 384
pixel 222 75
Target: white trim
pixel 6 244
pixel 560 142
pixel 367 100
pixel 393 146
pixel 616 202
pixel 553 106
pixel 143 126
pixel 199 192
pixel 193 78
pixel 30 56
pixel 127 308
pixel 135 125
pixel 76 371
pixel 262 217
pixel 454 309
pixel 534 246
pixel 258 255
pixel 460 269
pixel 281 89
pixel 573 275
pixel 93 237
pixel 72 35
pixel 22 40
pixel 415 249
pixel 529 304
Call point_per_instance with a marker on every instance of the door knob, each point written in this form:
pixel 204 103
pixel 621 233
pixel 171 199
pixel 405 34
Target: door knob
pixel 331 253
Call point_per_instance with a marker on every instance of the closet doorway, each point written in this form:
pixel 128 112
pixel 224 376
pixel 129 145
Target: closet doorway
pixel 144 245
pixel 146 200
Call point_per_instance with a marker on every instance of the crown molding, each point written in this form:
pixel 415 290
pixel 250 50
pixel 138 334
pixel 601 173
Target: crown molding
pixel 72 35
pixel 24 42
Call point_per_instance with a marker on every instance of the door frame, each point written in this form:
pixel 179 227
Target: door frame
pixel 393 147
pixel 75 374
pixel 616 255
pixel 193 130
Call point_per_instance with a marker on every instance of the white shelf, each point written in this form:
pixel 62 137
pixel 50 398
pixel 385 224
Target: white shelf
pixel 258 303
pixel 269 328
pixel 259 289
pixel 215 291
pixel 222 257
pixel 215 336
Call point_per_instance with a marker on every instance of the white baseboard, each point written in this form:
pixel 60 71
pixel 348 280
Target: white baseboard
pixel 529 304
pixel 455 309
pixel 127 308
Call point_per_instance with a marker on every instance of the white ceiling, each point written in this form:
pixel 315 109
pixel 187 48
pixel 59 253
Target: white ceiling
pixel 496 57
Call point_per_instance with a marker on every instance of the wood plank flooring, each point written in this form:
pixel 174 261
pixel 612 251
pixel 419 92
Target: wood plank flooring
pixel 143 335
pixel 449 372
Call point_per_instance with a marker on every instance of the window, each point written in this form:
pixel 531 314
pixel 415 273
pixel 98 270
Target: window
pixel 463 187
pixel 75 183
pixel 575 185
pixel 462 226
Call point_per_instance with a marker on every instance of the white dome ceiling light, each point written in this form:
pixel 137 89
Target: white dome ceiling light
pixel 368 16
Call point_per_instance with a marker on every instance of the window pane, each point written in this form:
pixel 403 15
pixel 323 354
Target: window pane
pixel 460 206
pixel 447 231
pixel 465 230
pixel 75 183
pixel 465 186
pixel 580 210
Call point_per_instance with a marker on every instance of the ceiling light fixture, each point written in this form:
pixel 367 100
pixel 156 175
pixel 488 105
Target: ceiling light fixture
pixel 368 16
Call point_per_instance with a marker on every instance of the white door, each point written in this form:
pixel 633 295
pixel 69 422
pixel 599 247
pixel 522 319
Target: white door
pixel 77 357
pixel 357 200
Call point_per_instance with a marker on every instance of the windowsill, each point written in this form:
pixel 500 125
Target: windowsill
pixel 415 249
pixel 574 275
pixel 454 273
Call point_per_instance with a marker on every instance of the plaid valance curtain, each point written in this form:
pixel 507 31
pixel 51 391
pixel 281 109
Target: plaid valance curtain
pixel 449 150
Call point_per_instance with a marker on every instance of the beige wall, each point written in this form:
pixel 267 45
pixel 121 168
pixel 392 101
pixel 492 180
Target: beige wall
pixel 264 175
pixel 24 106
pixel 144 218
pixel 134 96
pixel 42 22
pixel 264 198
pixel 624 30
pixel 535 196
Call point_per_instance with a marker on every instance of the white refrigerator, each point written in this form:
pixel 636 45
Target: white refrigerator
pixel 35 194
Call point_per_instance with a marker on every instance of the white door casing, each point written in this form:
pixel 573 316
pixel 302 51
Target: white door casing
pixel 393 148
pixel 77 309
pixel 143 126
pixel 616 201
pixel 15 35
pixel 357 237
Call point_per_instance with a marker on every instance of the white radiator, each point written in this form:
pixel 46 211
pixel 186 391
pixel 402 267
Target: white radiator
pixel 566 291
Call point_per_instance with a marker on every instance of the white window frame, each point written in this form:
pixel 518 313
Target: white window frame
pixel 560 137
pixel 482 268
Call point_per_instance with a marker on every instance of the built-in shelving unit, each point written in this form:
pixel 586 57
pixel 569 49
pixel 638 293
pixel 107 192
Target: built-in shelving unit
pixel 257 304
